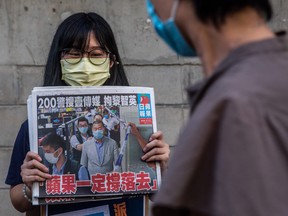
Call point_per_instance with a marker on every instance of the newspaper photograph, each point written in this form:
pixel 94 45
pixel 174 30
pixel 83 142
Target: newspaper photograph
pixel 92 140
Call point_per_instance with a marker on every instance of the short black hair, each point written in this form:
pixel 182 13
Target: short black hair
pixel 74 32
pixel 98 122
pixel 81 119
pixel 53 140
pixel 216 11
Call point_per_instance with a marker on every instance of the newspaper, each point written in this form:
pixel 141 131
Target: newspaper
pixel 54 112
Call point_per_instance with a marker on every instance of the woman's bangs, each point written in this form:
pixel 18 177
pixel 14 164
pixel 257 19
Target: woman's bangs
pixel 78 36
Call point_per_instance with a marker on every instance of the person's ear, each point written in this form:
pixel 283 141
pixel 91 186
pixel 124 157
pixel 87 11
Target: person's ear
pixel 59 152
pixel 111 64
pixel 113 61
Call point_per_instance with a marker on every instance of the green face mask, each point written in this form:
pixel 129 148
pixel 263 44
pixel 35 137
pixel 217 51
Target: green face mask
pixel 85 73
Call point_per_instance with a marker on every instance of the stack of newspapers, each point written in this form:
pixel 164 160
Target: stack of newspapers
pixel 53 114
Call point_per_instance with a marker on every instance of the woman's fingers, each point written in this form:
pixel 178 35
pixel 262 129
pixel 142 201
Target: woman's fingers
pixel 33 170
pixel 157 150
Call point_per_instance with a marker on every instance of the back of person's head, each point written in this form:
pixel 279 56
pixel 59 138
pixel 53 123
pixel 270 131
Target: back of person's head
pixel 74 32
pixel 217 11
pixel 53 140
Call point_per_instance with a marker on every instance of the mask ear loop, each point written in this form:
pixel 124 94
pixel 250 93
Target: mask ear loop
pixel 57 153
pixel 174 9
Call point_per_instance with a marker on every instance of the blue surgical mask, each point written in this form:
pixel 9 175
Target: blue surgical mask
pixel 169 31
pixel 98 134
pixel 106 116
pixel 83 130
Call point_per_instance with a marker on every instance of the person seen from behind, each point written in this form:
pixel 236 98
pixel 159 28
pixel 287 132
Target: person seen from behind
pixel 231 155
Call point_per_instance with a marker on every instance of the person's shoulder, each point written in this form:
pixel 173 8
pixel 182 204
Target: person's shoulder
pixel 73 163
pixel 72 166
pixel 109 140
pixel 220 96
pixel 23 135
pixel 25 123
pixel 24 126
pixel 227 93
pixel 89 142
pixel 73 137
pixel 237 82
pixel 249 85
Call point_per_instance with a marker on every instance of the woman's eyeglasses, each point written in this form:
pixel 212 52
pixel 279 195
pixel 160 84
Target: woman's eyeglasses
pixel 96 56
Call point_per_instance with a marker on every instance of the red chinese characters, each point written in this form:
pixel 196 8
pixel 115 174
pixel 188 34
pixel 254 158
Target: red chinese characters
pixel 125 182
pixel 68 184
pixel 128 181
pixel 102 183
pixel 142 181
pixel 53 186
pixel 64 184
pixel 98 183
pixel 113 182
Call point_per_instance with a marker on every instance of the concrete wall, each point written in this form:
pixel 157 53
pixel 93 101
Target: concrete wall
pixel 26 31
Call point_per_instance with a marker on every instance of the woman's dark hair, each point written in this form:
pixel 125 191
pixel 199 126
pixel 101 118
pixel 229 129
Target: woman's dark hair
pixel 73 32
pixel 216 11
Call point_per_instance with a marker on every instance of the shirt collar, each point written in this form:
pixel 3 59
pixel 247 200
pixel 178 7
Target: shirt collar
pixel 278 43
pixel 61 169
pixel 98 143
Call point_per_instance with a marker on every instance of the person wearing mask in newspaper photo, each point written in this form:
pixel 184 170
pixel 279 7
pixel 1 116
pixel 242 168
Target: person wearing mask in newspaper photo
pixel 112 124
pixel 82 135
pixel 98 117
pixel 54 152
pixel 102 158
pixel 82 36
pixel 231 158
pixel 89 113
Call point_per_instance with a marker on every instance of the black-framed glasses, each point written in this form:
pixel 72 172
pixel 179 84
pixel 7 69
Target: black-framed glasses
pixel 97 56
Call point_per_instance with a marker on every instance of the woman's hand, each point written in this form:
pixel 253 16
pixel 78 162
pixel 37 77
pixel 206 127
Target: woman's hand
pixel 33 170
pixel 157 150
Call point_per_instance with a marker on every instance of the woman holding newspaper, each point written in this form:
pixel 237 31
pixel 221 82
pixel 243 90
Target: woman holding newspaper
pixel 82 36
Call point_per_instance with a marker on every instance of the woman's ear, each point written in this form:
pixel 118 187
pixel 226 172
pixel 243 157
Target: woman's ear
pixel 111 64
pixel 113 61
